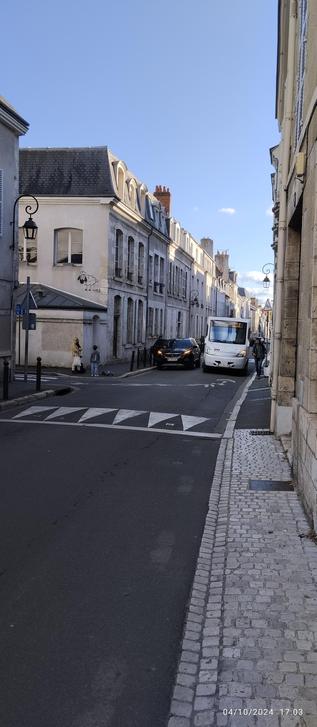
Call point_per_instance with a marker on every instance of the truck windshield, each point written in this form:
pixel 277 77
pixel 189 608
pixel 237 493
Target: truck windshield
pixel 225 332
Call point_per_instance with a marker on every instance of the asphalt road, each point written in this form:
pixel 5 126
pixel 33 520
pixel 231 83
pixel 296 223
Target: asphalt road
pixel 102 510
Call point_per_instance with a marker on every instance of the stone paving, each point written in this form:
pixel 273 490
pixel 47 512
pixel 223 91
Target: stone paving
pixel 249 652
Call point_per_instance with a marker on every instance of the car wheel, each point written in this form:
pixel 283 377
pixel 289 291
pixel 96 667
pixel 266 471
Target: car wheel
pixel 198 363
pixel 206 369
pixel 245 371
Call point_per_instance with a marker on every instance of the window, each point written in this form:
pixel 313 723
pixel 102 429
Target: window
pixel 141 263
pixel 130 320
pixel 120 182
pixel 162 274
pixel 170 274
pixel 1 202
pixel 156 274
pixel 302 43
pixel 118 254
pixel 132 194
pixel 130 258
pixel 150 322
pixel 68 246
pixel 156 322
pixel 140 321
pixel 150 269
pixel 184 290
pixel 27 249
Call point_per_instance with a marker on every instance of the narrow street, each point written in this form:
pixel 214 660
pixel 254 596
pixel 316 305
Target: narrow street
pixel 104 498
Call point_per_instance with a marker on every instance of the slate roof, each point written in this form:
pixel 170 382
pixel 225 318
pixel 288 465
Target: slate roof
pixel 46 297
pixel 72 172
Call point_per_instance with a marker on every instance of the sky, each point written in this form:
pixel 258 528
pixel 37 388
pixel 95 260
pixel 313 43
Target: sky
pixel 182 90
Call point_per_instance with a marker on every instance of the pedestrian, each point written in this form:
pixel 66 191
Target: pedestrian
pixel 94 361
pixel 76 352
pixel 259 353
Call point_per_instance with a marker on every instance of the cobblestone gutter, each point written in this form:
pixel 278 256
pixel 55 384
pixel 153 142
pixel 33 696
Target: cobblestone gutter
pixel 249 653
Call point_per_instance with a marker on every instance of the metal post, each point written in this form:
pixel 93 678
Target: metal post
pixel 38 373
pixel 132 361
pixel 19 328
pixel 27 318
pixel 5 380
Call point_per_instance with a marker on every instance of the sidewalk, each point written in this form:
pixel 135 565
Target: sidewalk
pixel 249 652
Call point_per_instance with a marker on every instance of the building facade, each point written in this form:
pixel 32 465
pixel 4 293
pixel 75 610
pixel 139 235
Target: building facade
pixel 294 365
pixel 105 238
pixel 12 126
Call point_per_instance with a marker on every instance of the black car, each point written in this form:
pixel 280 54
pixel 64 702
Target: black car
pixel 183 351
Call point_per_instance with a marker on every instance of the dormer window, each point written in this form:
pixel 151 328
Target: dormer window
pixel 121 177
pixel 132 193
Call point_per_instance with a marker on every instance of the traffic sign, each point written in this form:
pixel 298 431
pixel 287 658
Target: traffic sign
pixel 19 310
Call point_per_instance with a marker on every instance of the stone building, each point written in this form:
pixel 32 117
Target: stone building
pixel 294 371
pixel 124 270
pixel 12 126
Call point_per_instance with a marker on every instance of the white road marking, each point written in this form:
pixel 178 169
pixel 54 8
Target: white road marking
pixel 189 422
pixel 63 410
pixel 201 435
pixel 33 410
pixel 126 414
pixel 159 416
pixel 93 412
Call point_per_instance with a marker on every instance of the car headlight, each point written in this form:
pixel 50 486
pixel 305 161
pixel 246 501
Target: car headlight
pixel 159 352
pixel 208 350
pixel 187 351
pixel 241 353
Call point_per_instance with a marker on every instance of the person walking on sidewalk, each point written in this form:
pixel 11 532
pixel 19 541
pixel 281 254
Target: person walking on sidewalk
pixel 259 353
pixel 76 352
pixel 94 361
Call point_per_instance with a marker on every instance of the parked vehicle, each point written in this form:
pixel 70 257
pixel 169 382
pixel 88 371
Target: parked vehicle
pixel 226 344
pixel 184 351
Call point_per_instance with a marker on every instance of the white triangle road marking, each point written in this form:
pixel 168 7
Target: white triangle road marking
pixel 126 414
pixel 189 422
pixel 93 413
pixel 62 410
pixel 33 410
pixel 159 416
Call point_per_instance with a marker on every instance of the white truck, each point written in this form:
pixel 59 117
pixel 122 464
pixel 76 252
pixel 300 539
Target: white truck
pixel 226 344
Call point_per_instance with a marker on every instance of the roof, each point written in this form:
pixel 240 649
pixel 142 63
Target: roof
pixel 10 117
pixel 70 172
pixel 52 298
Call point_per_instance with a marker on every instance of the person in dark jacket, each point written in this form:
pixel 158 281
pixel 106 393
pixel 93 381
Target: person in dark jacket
pixel 259 353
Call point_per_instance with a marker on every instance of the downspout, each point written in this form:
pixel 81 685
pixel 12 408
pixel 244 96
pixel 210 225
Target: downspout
pixel 282 226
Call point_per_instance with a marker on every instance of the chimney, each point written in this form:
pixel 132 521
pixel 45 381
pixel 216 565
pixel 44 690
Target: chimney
pixel 164 196
pixel 208 245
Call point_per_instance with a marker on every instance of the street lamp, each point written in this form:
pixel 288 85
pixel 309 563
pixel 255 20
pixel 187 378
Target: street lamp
pixel 30 232
pixel 266 270
pixel 29 227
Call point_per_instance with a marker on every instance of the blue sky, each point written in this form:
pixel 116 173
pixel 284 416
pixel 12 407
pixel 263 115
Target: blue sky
pixel 182 90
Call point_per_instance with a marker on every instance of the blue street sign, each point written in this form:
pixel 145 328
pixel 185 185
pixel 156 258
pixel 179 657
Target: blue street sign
pixel 19 310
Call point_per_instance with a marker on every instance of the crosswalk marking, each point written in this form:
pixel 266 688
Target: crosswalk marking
pixel 183 422
pixel 159 416
pixel 189 422
pixel 126 414
pixel 33 410
pixel 62 410
pixel 93 412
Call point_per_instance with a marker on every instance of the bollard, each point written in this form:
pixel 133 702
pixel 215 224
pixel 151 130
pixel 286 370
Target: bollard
pixel 132 361
pixel 138 358
pixel 144 358
pixel 5 380
pixel 38 373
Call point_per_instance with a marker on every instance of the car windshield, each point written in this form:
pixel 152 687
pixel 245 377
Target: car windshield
pixel 176 343
pixel 225 332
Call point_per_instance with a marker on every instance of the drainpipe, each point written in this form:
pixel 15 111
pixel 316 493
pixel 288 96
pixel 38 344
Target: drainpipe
pixel 282 226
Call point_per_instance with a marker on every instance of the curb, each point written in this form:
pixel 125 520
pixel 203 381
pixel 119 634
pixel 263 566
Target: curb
pixel 33 397
pixel 139 371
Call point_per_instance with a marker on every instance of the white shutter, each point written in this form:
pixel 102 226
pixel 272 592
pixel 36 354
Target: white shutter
pixel 1 202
